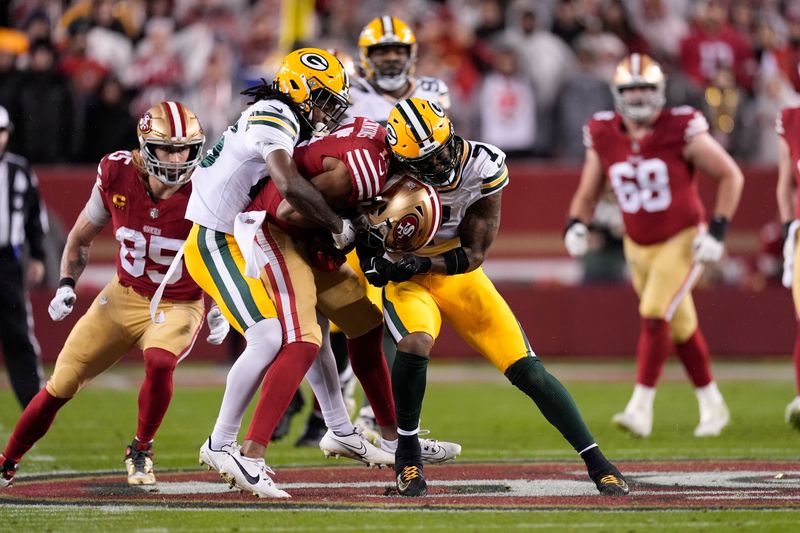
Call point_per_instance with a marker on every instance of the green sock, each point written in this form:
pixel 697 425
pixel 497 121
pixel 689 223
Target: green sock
pixel 552 398
pixel 409 374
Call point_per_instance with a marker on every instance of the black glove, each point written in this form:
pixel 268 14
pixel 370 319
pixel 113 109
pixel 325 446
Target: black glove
pixel 409 266
pixel 376 270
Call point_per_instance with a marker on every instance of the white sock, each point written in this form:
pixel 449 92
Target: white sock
pixel 642 398
pixel 709 394
pixel 264 340
pixel 324 380
pixel 389 446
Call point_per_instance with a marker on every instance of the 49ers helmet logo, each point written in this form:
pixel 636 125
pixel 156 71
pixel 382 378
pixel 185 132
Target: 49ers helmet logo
pixel 314 61
pixel 146 123
pixel 405 228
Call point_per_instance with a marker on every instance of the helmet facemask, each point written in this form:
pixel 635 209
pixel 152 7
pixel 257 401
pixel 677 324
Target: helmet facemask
pixel 437 168
pixel 639 106
pixel 168 172
pixel 331 106
pixel 392 75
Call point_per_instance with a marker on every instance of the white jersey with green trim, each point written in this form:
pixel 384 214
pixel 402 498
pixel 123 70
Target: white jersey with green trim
pixel 222 184
pixel 368 102
pixel 481 172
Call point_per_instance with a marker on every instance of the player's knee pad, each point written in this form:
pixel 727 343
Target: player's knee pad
pixel 266 336
pixel 417 343
pixel 157 360
pixel 64 383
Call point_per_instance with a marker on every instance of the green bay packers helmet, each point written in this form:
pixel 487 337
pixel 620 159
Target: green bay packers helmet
pixel 422 138
pixel 169 125
pixel 315 78
pixel 638 70
pixel 405 216
pixel 387 31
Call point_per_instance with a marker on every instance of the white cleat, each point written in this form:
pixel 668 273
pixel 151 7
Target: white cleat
pixel 638 423
pixel 714 414
pixel 792 414
pixel 211 458
pixel 250 475
pixel 438 451
pixel 355 446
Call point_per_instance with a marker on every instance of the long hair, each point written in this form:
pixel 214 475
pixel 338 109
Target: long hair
pixel 268 91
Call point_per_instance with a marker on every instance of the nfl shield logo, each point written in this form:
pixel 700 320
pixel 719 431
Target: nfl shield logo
pixel 154 212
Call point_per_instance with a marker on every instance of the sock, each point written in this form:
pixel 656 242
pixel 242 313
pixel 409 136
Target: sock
pixel 641 399
pixel 33 424
pixel 389 446
pixel 264 339
pixel 155 392
pixel 796 358
pixel 652 351
pixel 408 383
pixel 408 450
pixel 694 356
pixel 551 397
pixel 370 368
pixel 280 384
pixel 323 376
pixel 595 461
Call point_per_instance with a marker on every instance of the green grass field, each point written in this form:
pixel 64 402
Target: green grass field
pixel 492 420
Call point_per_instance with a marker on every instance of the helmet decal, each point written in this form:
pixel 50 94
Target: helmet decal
pixel 146 123
pixel 391 135
pixel 405 229
pixel 436 108
pixel 314 61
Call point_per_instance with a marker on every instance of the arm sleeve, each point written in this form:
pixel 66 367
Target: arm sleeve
pixel 96 210
pixel 493 171
pixel 36 221
pixel 367 167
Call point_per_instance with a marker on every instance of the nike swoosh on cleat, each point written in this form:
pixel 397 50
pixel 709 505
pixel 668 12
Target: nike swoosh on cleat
pixel 361 450
pixel 400 485
pixel 251 479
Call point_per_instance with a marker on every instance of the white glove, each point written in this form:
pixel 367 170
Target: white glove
pixel 707 249
pixel 61 304
pixel 218 326
pixel 576 239
pixel 346 237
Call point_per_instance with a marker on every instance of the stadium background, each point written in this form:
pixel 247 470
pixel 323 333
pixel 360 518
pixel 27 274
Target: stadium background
pixel 523 75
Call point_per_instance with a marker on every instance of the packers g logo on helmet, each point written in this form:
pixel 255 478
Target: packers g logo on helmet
pixel 169 124
pixel 638 70
pixel 387 31
pixel 424 140
pixel 405 216
pixel 315 78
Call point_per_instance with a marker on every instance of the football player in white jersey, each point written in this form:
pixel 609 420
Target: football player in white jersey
pixel 308 97
pixel 387 57
pixel 444 282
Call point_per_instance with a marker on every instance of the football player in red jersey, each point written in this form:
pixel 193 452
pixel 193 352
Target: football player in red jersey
pixel 649 155
pixel 143 194
pixel 788 127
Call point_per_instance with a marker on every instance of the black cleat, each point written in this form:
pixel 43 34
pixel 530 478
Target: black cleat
pixel 315 430
pixel 7 471
pixel 282 429
pixel 411 481
pixel 610 482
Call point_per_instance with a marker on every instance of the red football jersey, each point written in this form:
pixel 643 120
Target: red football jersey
pixel 360 145
pixel 149 233
pixel 788 127
pixel 655 186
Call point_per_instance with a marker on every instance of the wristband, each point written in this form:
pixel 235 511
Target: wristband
pixel 456 261
pixel 717 227
pixel 66 282
pixel 571 222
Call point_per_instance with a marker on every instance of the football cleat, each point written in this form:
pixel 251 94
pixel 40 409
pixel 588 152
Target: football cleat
pixel 8 470
pixel 411 481
pixel 792 414
pixel 367 425
pixel 211 458
pixel 610 482
pixel 638 422
pixel 250 475
pixel 713 418
pixel 295 406
pixel 438 451
pixel 354 446
pixel 139 463
pixel 315 430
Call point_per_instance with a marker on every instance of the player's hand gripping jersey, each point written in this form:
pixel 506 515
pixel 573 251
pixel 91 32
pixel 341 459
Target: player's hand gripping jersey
pixel 149 233
pixel 225 178
pixel 655 186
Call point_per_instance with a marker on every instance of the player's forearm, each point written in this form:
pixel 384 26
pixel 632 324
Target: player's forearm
pixel 308 202
pixel 729 193
pixel 452 262
pixel 74 259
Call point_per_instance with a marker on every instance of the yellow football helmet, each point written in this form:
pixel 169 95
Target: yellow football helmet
pixel 315 78
pixel 175 126
pixel 405 216
pixel 387 31
pixel 422 138
pixel 638 71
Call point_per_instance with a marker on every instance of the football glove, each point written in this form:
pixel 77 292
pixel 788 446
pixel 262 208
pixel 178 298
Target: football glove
pixel 376 270
pixel 407 267
pixel 347 236
pixel 707 248
pixel 218 326
pixel 576 238
pixel 61 304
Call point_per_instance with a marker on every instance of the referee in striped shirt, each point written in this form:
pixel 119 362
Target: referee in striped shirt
pixel 22 221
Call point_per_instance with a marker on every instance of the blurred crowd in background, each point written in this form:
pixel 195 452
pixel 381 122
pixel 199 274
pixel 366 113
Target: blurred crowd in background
pixel 523 74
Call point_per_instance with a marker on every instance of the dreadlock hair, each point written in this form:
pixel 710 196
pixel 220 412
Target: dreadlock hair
pixel 269 91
